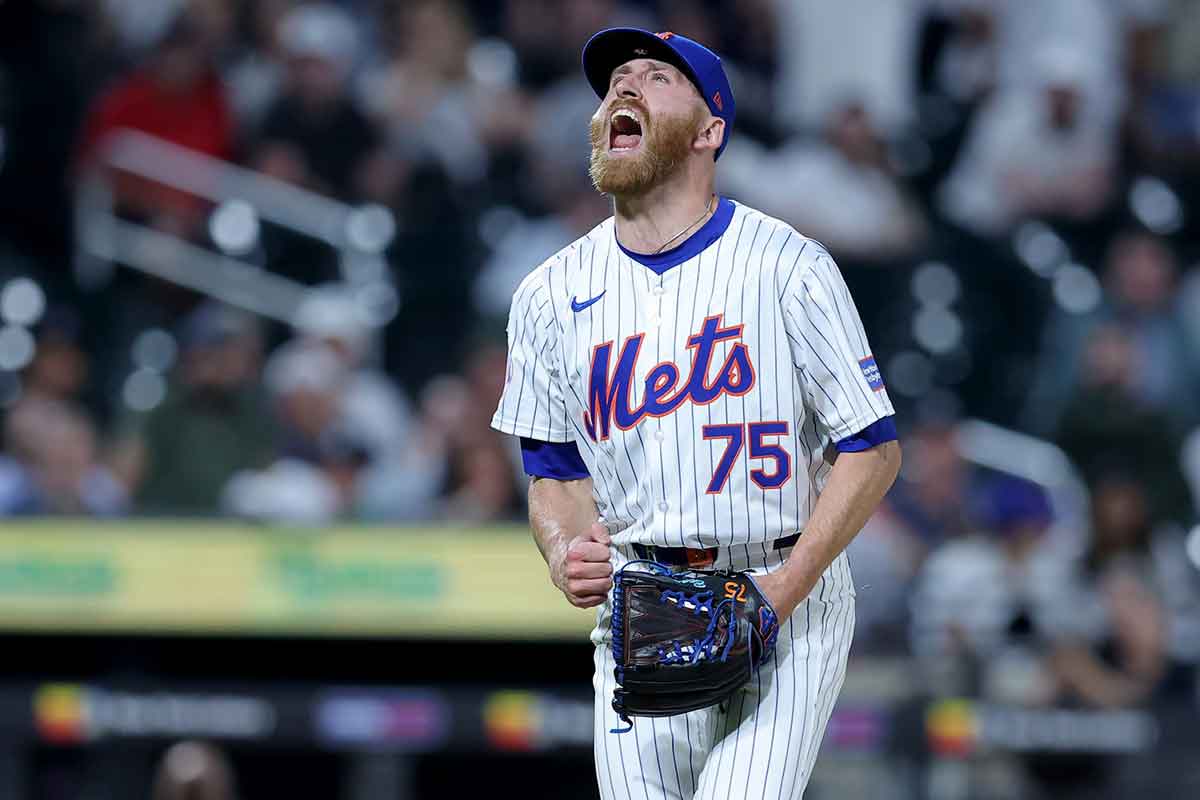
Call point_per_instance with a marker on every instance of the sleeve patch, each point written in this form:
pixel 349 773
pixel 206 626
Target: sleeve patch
pixel 870 371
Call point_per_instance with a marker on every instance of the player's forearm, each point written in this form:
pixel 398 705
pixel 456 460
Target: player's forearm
pixel 558 512
pixel 855 487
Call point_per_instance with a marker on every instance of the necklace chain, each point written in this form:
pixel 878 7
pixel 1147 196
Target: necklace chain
pixel 707 208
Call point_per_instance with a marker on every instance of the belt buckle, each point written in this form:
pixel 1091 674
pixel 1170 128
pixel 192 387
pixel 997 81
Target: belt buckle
pixel 699 559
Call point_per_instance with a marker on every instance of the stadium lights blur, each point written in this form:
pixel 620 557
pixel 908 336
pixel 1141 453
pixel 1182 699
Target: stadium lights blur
pixel 492 62
pixel 910 373
pixel 1042 250
pixel 937 330
pixel 144 390
pixel 370 228
pixel 234 227
pixel 935 284
pixel 1076 289
pixel 378 303
pixel 1156 205
pixel 17 348
pixel 155 349
pixel 1193 546
pixel 22 302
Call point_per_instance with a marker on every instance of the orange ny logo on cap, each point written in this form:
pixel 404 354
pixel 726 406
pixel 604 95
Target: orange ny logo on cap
pixel 718 102
pixel 664 35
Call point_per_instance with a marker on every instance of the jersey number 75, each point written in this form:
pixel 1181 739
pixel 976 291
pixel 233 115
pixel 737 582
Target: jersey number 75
pixel 761 450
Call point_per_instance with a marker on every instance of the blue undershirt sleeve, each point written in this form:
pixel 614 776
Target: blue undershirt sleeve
pixel 875 434
pixel 558 460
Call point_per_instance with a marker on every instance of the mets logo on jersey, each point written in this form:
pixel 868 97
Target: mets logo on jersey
pixel 610 390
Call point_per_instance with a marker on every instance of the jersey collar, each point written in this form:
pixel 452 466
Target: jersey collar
pixel 691 247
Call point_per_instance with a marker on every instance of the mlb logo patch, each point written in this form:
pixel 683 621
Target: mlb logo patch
pixel 870 371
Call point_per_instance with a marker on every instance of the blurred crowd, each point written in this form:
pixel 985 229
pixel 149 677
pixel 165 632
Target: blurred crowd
pixel 1010 189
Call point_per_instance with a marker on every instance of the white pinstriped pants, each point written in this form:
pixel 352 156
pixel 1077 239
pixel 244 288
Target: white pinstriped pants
pixel 763 742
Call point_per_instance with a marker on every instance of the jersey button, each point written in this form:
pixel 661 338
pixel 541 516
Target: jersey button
pixel 659 435
pixel 659 291
pixel 663 507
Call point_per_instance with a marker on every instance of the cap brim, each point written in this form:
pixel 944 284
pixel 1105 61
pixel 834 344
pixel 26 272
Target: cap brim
pixel 611 48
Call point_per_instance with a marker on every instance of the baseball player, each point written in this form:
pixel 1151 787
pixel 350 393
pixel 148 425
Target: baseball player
pixel 691 384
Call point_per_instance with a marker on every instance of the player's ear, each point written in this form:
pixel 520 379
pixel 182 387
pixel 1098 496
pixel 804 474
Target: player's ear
pixel 711 135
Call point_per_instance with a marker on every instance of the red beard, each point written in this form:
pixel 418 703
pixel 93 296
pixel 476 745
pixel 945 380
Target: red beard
pixel 665 145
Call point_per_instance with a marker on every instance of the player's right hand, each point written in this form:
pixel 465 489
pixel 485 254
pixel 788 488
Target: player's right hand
pixel 584 572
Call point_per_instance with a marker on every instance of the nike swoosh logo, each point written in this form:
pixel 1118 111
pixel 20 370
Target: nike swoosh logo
pixel 577 306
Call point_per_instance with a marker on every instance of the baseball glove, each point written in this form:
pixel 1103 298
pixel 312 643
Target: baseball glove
pixel 685 640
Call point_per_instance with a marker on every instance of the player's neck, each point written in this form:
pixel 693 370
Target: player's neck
pixel 647 222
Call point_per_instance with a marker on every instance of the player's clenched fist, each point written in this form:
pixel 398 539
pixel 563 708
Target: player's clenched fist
pixel 582 570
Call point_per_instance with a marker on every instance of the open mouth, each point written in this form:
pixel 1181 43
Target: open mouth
pixel 624 131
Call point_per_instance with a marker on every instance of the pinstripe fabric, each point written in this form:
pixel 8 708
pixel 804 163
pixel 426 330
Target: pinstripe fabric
pixel 764 741
pixel 771 303
pixel 802 336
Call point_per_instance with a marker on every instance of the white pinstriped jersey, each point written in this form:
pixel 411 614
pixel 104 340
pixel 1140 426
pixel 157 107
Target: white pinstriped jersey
pixel 704 401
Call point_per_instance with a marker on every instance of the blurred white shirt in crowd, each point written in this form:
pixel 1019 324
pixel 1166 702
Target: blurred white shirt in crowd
pixel 525 244
pixel 289 491
pixel 968 594
pixel 852 208
pixel 1012 140
pixel 832 51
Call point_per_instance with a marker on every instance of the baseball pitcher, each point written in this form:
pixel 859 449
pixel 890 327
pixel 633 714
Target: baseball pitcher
pixel 706 430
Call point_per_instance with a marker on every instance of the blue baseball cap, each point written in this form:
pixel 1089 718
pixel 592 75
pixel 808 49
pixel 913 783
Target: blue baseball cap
pixel 611 48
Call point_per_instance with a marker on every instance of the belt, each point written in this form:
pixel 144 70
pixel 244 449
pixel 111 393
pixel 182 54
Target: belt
pixel 695 557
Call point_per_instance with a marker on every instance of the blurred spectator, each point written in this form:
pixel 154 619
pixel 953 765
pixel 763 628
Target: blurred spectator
pixel 974 602
pixel 175 95
pixel 1045 151
pixel 862 210
pixel 1107 422
pixel 485 467
pixel 1160 371
pixel 256 71
pixel 60 368
pixel 1108 623
pixel 305 384
pixel 523 243
pixel 370 405
pixel 1096 28
pixel 530 28
pixel 55 467
pixel 313 135
pixel 479 471
pixel 826 54
pixel 213 422
pixel 930 505
pixel 194 771
pixel 548 35
pixel 407 485
pixel 484 487
pixel 485 371
pixel 333 463
pixel 425 98
pixel 931 502
pixel 968 65
pixel 885 558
